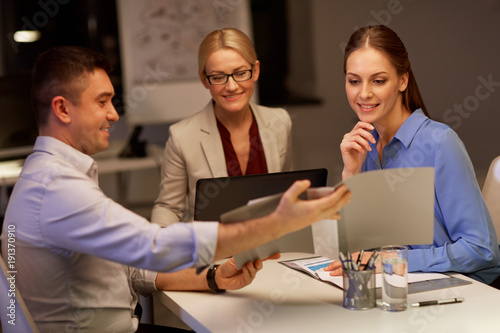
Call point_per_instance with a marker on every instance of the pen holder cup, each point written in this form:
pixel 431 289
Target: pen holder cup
pixel 359 289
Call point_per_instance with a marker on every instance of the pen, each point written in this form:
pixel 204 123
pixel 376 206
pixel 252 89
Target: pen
pixel 343 261
pixel 374 261
pixel 355 266
pixel 440 302
pixel 360 257
pixel 371 262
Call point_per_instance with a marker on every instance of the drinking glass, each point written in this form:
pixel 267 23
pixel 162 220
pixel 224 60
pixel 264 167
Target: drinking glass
pixel 394 277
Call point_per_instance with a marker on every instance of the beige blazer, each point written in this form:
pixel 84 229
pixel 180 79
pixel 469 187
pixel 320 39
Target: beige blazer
pixel 194 150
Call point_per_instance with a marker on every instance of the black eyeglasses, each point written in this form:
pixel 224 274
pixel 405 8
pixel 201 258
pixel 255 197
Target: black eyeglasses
pixel 237 76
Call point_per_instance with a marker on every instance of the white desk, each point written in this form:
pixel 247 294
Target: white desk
pixel 283 300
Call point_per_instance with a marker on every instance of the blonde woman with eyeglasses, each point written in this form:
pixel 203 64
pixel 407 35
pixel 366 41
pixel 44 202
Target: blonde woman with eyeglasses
pixel 231 136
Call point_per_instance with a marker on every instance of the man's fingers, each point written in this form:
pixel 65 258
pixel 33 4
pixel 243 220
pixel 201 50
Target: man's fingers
pixel 297 188
pixel 273 256
pixel 339 198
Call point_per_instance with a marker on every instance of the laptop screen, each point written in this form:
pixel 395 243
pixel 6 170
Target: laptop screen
pixel 215 196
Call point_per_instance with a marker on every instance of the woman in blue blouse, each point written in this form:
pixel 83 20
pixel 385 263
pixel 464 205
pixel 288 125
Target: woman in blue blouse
pixel 394 131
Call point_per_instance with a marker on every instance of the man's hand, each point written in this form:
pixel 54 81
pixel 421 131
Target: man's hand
pixel 295 213
pixel 229 277
pixel 292 214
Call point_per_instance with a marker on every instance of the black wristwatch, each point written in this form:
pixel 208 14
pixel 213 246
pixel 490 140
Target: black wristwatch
pixel 211 280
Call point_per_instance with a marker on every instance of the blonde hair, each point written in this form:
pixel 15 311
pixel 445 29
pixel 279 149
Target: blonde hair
pixel 226 38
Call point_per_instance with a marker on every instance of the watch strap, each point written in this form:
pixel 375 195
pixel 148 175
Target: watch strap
pixel 211 279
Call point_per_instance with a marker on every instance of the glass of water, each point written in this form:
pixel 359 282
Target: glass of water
pixel 394 277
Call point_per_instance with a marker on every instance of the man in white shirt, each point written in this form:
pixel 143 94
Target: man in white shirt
pixel 80 256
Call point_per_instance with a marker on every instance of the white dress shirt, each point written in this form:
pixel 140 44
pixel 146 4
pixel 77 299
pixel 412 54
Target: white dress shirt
pixel 76 248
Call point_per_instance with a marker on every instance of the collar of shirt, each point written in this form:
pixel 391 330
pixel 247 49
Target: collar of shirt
pixel 80 161
pixel 404 136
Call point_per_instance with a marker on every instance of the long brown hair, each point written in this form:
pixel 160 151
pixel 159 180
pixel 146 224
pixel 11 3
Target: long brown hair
pixel 387 41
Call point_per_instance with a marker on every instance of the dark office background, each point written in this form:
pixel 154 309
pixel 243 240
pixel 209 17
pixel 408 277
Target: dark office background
pixel 452 44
